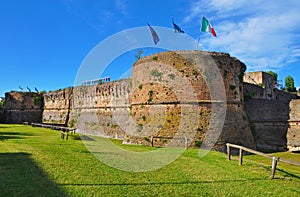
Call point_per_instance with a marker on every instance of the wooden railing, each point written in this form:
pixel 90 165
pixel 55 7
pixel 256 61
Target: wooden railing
pixel 64 130
pixel 170 138
pixel 275 160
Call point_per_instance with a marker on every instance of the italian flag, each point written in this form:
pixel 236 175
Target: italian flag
pixel 207 27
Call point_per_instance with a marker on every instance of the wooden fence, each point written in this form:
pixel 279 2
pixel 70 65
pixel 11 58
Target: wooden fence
pixel 64 130
pixel 275 160
pixel 170 138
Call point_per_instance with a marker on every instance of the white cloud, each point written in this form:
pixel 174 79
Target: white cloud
pixel 263 34
pixel 121 5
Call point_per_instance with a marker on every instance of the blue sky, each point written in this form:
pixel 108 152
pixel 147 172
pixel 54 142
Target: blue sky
pixel 43 43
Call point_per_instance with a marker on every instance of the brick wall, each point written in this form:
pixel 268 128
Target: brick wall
pixel 22 107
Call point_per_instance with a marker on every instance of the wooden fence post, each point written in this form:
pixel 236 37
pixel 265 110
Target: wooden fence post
pixel 228 152
pixel 151 141
pixel 274 164
pixel 241 157
pixel 186 143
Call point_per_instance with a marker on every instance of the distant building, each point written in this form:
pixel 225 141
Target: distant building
pixel 264 80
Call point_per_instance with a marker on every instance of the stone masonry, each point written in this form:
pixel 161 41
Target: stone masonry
pixel 172 96
pixel 22 107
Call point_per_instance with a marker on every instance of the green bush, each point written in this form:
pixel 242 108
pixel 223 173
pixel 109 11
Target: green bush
pixel 140 86
pixel 154 58
pixel 198 143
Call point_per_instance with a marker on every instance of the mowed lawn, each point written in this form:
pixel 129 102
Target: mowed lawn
pixel 37 162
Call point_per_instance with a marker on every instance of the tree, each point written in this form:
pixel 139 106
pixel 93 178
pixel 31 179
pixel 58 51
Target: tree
pixel 289 84
pixel 275 76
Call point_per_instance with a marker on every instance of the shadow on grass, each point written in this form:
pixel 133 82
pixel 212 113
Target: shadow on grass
pixel 268 167
pixel 84 137
pixel 8 137
pixel 20 176
pixel 75 136
pixel 161 183
pixel 288 173
pixel 12 135
pixel 15 133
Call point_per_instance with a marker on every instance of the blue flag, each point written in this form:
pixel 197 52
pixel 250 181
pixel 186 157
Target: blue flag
pixel 154 35
pixel 28 89
pixel 176 27
pixel 36 89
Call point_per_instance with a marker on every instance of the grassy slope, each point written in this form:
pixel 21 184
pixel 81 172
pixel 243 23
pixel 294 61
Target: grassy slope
pixel 35 162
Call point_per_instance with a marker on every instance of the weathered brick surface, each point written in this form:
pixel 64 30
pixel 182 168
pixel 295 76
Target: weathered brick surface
pixel 269 120
pixel 192 82
pixel 57 105
pixel 172 95
pixel 293 134
pixel 22 107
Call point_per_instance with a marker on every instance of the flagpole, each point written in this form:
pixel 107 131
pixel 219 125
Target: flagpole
pixel 198 42
pixel 175 42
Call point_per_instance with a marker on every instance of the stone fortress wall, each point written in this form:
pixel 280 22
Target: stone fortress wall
pixel 293 133
pixel 269 111
pixel 162 90
pixel 22 107
pixel 88 108
pixel 150 104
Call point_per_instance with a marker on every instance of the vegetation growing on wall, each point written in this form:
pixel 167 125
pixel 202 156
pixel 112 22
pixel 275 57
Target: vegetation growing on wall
pixel 172 76
pixel 139 127
pixel 140 86
pixel 154 58
pixel 157 74
pixel 150 96
pixel 72 123
pixel 37 100
pixel 2 102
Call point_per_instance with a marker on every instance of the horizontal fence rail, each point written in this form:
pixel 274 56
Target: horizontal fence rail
pixel 64 130
pixel 186 141
pixel 275 160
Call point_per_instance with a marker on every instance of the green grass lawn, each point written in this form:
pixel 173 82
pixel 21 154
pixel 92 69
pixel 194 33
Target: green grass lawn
pixel 36 162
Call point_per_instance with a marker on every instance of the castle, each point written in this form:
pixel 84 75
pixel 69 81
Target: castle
pixel 204 97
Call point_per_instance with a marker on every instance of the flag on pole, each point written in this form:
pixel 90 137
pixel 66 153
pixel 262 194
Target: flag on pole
pixel 176 27
pixel 28 89
pixel 20 88
pixel 154 34
pixel 207 27
pixel 36 89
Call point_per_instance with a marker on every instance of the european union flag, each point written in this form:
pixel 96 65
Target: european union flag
pixel 28 89
pixel 154 35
